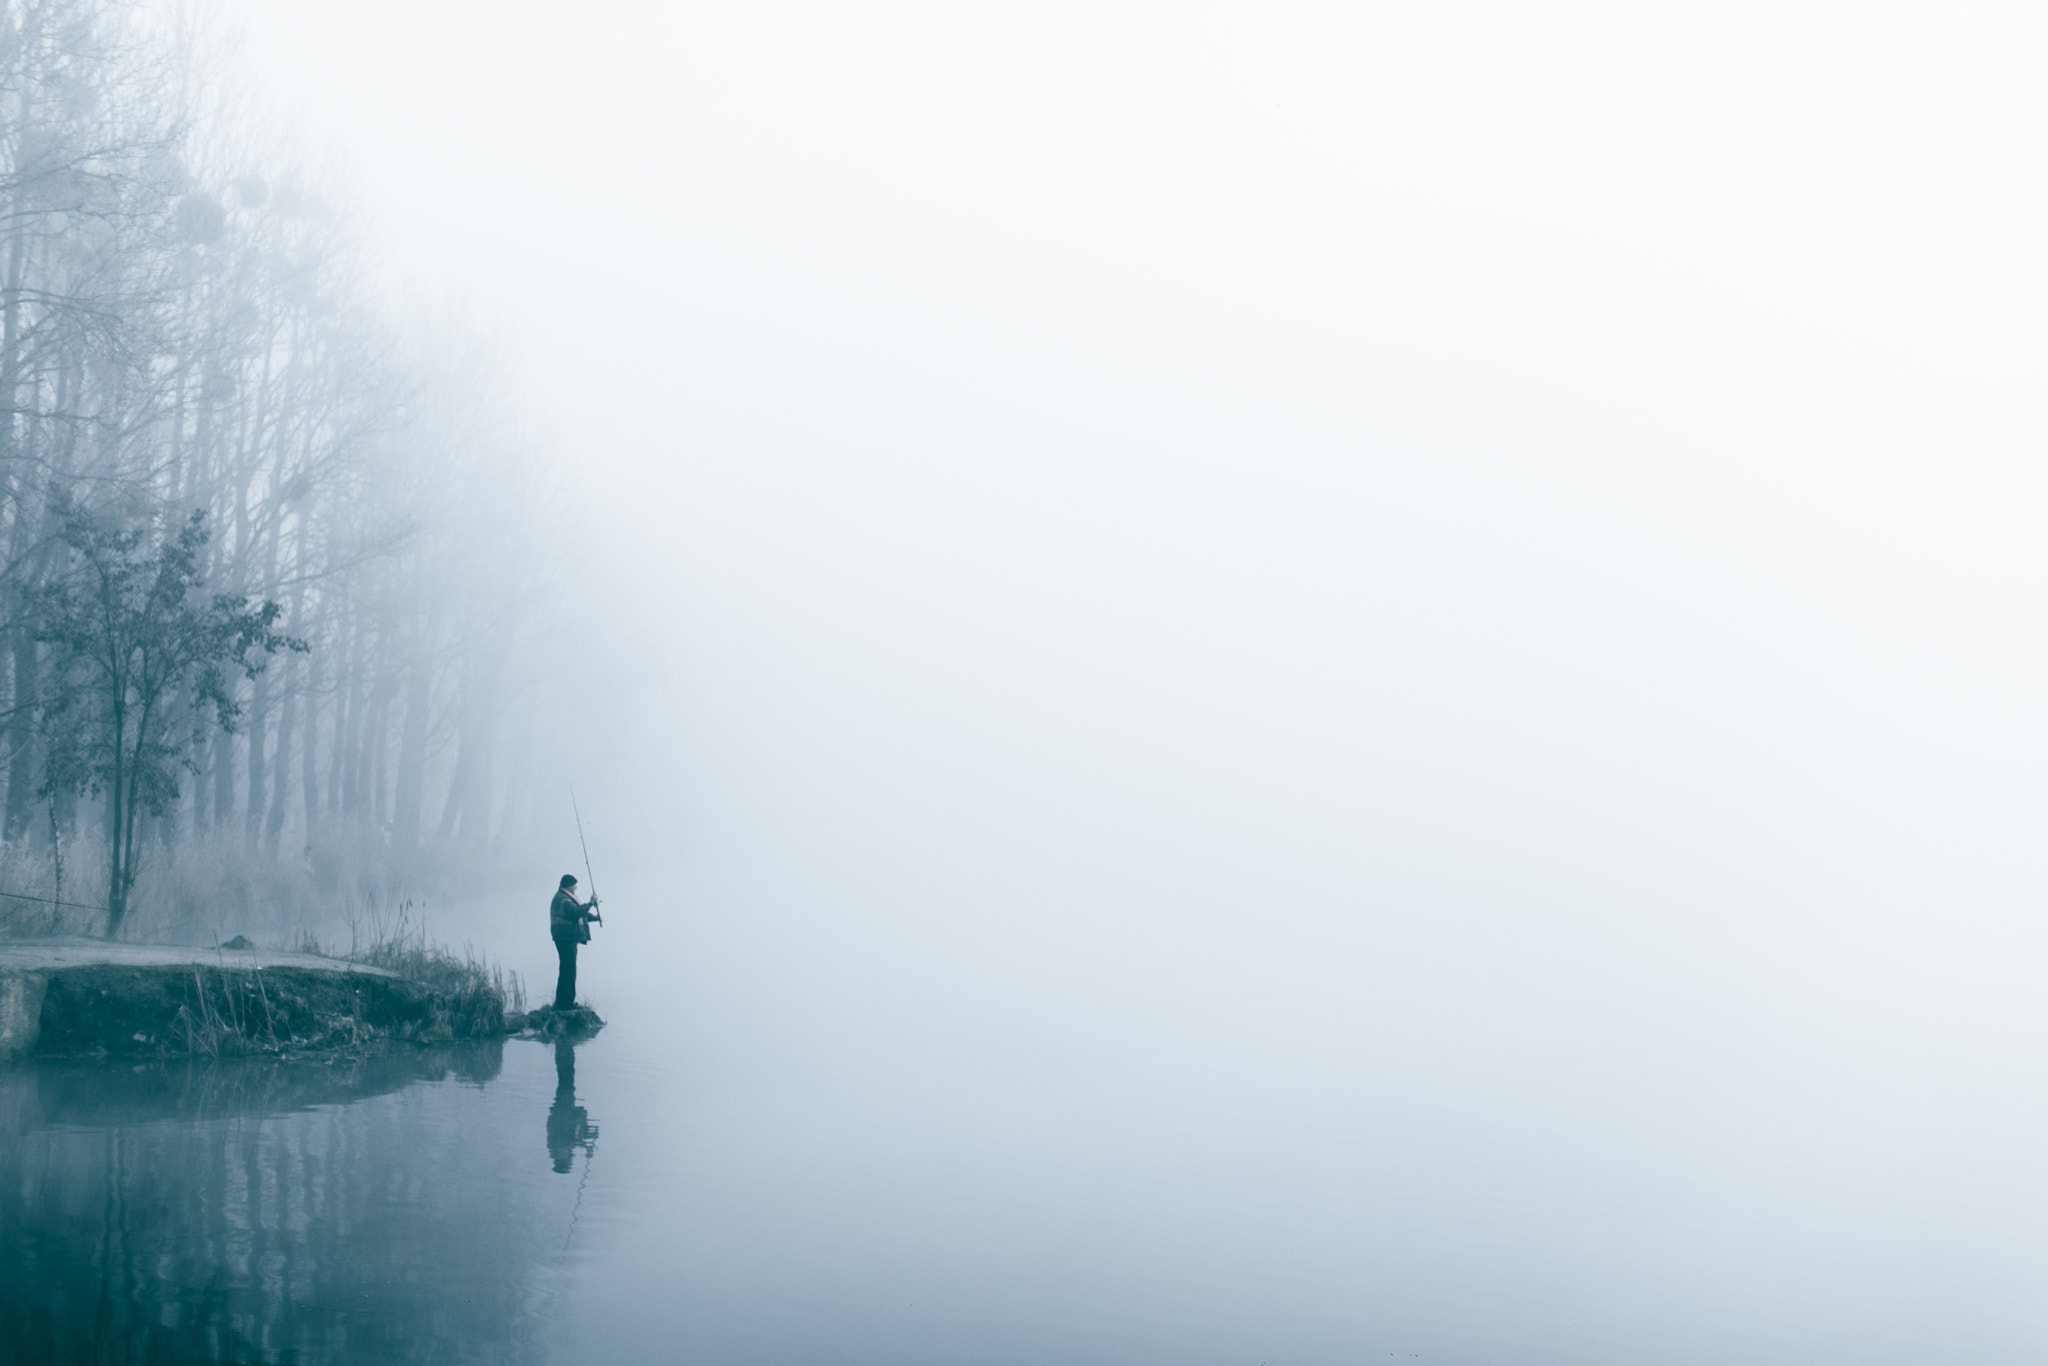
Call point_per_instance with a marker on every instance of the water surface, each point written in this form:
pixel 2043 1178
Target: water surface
pixel 836 1166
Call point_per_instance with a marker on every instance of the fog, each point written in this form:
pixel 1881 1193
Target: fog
pixel 1385 659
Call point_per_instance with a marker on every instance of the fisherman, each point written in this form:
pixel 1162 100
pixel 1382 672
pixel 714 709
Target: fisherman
pixel 569 925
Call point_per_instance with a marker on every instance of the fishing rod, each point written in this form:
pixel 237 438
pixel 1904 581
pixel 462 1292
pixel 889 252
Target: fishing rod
pixel 586 857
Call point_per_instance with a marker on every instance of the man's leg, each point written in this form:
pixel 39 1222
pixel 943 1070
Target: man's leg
pixel 565 981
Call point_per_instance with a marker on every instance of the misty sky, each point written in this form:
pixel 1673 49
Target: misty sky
pixel 1544 452
pixel 1468 552
pixel 1545 435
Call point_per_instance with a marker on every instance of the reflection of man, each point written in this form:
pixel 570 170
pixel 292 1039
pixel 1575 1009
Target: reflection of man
pixel 569 1126
pixel 569 925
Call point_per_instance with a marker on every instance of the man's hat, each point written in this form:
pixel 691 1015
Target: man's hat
pixel 568 879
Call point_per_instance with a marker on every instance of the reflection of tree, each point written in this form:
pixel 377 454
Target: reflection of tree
pixel 569 1124
pixel 361 1232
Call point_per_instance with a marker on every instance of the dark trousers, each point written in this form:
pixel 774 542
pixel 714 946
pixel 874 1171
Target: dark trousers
pixel 565 981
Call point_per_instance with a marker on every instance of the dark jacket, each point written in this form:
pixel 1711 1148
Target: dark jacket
pixel 569 918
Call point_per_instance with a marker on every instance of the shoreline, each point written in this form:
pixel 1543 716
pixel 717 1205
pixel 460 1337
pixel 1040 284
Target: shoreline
pixel 77 997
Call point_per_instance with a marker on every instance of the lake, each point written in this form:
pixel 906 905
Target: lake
pixel 842 1165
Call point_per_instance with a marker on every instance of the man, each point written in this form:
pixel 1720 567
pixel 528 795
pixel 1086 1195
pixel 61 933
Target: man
pixel 569 925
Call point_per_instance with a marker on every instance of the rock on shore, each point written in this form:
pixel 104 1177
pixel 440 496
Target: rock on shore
pixel 549 1023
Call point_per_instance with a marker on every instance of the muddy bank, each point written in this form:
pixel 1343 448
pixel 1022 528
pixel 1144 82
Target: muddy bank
pixel 84 998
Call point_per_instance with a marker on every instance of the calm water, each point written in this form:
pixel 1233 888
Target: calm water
pixel 837 1168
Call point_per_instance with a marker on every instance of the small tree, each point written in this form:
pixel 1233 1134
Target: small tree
pixel 134 634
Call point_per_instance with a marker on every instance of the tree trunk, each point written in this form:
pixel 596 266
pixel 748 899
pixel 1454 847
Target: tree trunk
pixel 280 779
pixel 410 793
pixel 309 762
pixel 202 779
pixel 458 786
pixel 258 725
pixel 21 729
pixel 117 852
pixel 469 788
pixel 223 781
pixel 380 754
pixel 372 744
pixel 354 784
pixel 344 717
pixel 21 739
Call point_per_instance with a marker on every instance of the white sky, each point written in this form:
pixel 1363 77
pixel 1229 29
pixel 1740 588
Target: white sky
pixel 1597 417
pixel 1760 277
pixel 1579 366
pixel 1529 513
pixel 1551 408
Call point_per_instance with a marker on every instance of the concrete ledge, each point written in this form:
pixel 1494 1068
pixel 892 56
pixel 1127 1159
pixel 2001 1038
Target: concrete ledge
pixel 76 951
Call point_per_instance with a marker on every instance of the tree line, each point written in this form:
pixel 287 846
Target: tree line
pixel 269 553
